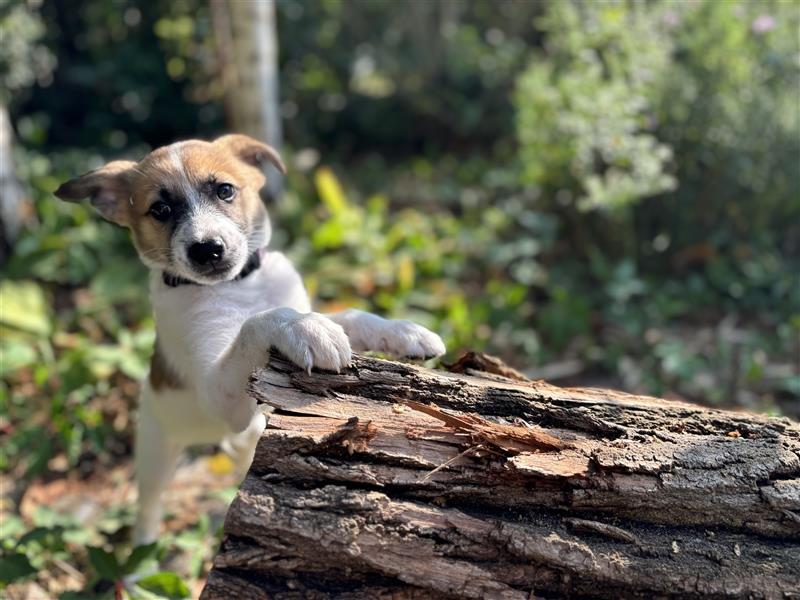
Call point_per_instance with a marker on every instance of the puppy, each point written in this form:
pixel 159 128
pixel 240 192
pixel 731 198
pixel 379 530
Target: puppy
pixel 220 299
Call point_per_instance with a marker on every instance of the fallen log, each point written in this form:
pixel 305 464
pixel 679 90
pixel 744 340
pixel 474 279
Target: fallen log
pixel 394 481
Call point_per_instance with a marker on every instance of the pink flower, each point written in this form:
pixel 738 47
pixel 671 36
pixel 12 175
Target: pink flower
pixel 763 23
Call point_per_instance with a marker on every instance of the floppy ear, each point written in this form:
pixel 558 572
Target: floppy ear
pixel 251 151
pixel 109 188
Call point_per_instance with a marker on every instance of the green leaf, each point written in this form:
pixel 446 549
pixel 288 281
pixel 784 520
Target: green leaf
pixel 330 191
pixel 120 281
pixel 15 354
pixel 138 556
pixel 165 584
pixel 14 566
pixel 51 538
pixel 13 527
pixel 105 563
pixel 23 307
pixel 328 235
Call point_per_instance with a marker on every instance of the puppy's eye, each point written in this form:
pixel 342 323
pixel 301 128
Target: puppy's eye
pixel 160 211
pixel 225 191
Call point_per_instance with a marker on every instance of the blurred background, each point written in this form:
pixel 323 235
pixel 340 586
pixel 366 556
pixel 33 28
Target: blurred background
pixel 600 193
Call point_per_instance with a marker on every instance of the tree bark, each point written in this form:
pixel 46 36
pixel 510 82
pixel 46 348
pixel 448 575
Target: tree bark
pixel 393 481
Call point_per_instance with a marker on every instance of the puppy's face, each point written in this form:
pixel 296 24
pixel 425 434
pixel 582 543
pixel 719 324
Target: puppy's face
pixel 193 207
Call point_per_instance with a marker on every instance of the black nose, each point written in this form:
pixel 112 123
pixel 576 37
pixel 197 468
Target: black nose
pixel 202 253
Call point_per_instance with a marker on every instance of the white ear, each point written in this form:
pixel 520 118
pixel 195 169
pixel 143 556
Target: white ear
pixel 109 187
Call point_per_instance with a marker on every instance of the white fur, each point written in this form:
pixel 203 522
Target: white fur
pixel 399 338
pixel 187 190
pixel 207 223
pixel 213 337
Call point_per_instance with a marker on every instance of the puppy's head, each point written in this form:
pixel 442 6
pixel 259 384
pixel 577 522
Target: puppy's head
pixel 192 207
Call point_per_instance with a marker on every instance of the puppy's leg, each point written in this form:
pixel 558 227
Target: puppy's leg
pixel 398 338
pixel 241 447
pixel 156 459
pixel 309 340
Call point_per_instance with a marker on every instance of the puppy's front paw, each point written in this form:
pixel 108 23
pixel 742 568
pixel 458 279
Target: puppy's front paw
pixel 409 340
pixel 311 340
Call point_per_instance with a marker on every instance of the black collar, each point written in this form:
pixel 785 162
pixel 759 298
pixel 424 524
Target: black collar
pixel 253 263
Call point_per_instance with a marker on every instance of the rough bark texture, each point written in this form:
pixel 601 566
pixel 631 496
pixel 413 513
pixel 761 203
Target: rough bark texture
pixel 514 489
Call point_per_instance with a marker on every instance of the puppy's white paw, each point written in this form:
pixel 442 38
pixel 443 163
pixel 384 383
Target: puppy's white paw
pixel 311 340
pixel 409 340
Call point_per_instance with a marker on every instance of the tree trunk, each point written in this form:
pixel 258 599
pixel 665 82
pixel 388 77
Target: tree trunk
pixel 14 203
pixel 247 42
pixel 394 481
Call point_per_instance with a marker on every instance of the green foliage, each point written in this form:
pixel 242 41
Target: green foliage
pixel 164 585
pixel 58 539
pixel 104 563
pixel 699 99
pixel 608 184
pixel 75 324
pixel 23 58
pixel 584 123
pixel 14 566
pixel 137 558
pixel 633 98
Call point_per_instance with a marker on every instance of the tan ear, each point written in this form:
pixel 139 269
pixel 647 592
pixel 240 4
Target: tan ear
pixel 251 151
pixel 109 187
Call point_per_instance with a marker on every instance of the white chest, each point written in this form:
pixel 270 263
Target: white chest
pixel 196 324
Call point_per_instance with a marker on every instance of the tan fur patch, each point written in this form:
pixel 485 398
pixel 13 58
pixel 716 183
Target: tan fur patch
pixel 163 376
